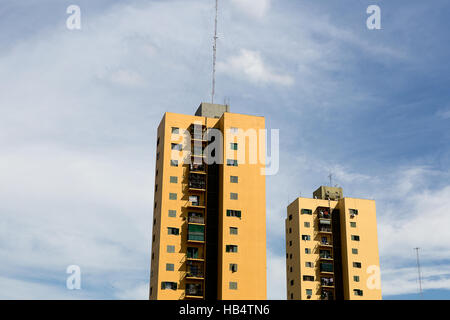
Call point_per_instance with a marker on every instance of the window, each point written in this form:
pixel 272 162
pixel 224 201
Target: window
pixel 170 249
pixel 292 282
pixel 174 163
pixel 233 146
pixel 290 256
pixel 177 146
pixel 233 267
pixel 233 230
pixel 290 269
pixel 307 224
pixel 233 285
pixel 309 292
pixel 233 196
pixel 153 240
pixel 306 211
pixel 172 196
pixel 168 285
pixel 355 238
pixel 231 248
pixel 234 130
pixel 358 292
pixel 290 243
pixel 356 278
pixel 175 130
pixel 326 267
pixel 308 278
pixel 172 213
pixel 355 251
pixel 307 250
pixel 353 224
pixel 170 267
pixel 174 231
pixel 156 187
pixel 232 163
pixel 306 237
pixel 356 264
pixel 292 296
pixel 290 230
pixel 290 217
pixel 234 213
pixel 309 264
pixel 157 142
pixel 234 179
pixel 173 179
pixel 157 156
pixel 353 212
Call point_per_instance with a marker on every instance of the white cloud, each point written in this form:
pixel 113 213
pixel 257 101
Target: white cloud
pixel 250 65
pixel 253 8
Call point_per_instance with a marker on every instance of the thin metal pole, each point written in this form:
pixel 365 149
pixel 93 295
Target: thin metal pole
pixel 214 56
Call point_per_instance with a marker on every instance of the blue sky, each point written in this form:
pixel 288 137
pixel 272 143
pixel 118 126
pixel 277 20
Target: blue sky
pixel 79 111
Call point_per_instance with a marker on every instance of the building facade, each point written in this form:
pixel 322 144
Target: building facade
pixel 209 218
pixel 332 248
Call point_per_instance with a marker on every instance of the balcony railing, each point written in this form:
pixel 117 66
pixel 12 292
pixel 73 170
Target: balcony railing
pixel 326 256
pixel 197 168
pixel 324 228
pixel 326 295
pixel 196 219
pixel 194 273
pixel 196 203
pixel 197 185
pixel 194 290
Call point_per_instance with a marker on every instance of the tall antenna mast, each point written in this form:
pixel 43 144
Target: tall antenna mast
pixel 331 179
pixel 214 56
pixel 418 270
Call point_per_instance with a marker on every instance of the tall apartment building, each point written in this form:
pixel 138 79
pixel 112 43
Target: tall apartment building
pixel 332 248
pixel 209 219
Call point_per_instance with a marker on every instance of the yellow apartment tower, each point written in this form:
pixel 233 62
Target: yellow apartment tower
pixel 332 248
pixel 209 217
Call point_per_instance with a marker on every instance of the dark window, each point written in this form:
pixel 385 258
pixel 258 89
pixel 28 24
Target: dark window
pixel 358 292
pixel 233 285
pixel 355 251
pixel 306 211
pixel 165 285
pixel 233 196
pixel 233 230
pixel 233 146
pixel 307 224
pixel 172 196
pixel 306 237
pixel 356 278
pixel 196 232
pixel 170 267
pixel 172 213
pixel 357 264
pixel 170 249
pixel 308 278
pixel 353 212
pixel 234 213
pixel 234 179
pixel 353 224
pixel 174 163
pixel 232 163
pixel 175 130
pixel 355 238
pixel 290 217
pixel 231 248
pixel 177 146
pixel 233 267
pixel 174 231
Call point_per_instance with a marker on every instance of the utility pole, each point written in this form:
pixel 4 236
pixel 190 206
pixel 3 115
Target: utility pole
pixel 418 270
pixel 214 55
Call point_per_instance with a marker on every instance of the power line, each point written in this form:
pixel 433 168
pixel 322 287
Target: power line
pixel 418 270
pixel 214 55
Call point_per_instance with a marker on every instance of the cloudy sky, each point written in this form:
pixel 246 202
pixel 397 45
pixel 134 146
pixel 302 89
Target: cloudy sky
pixel 79 111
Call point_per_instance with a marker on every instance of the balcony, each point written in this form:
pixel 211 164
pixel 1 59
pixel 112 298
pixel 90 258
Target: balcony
pixel 197 218
pixel 325 255
pixel 326 267
pixel 326 244
pixel 197 182
pixel 194 291
pixel 194 270
pixel 196 204
pixel 324 213
pixel 324 228
pixel 193 254
pixel 327 282
pixel 197 132
pixel 326 295
pixel 197 168
pixel 196 233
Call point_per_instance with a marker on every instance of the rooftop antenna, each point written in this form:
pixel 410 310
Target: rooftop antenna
pixel 418 270
pixel 214 55
pixel 331 179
